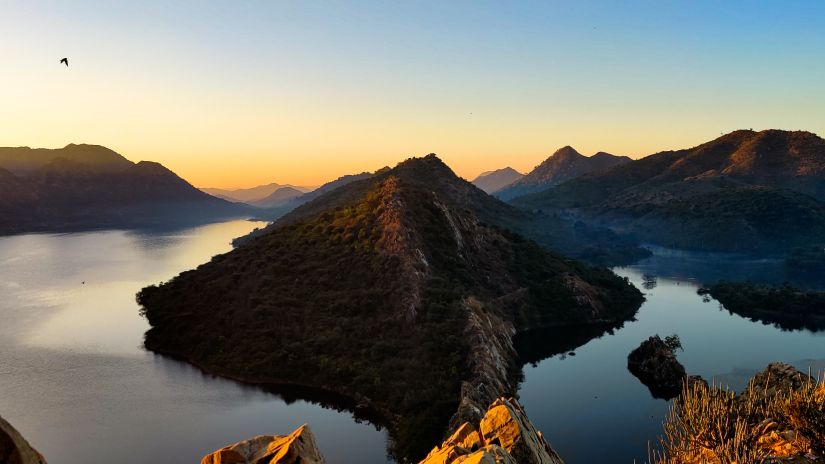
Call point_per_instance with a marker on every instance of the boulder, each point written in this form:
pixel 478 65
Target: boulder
pixel 656 366
pixel 777 377
pixel 299 447
pixel 504 435
pixel 14 449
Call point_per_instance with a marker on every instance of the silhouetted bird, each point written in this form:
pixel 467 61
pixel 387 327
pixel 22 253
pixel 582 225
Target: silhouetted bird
pixel 65 61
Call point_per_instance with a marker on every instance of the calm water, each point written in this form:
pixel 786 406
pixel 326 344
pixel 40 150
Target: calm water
pixel 76 382
pixel 592 409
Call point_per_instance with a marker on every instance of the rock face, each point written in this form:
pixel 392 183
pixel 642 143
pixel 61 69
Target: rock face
pixel 655 365
pixel 299 447
pixel 14 449
pixel 503 435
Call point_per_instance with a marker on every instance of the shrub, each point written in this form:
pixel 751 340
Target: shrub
pixel 711 424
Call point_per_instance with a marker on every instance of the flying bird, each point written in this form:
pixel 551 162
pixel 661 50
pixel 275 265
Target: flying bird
pixel 65 61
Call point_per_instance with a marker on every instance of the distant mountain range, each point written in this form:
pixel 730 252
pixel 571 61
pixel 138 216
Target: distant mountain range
pixel 283 201
pixel 399 290
pixel 89 186
pixel 274 200
pixel 493 181
pixel 278 198
pixel 744 191
pixel 563 165
pixel 253 194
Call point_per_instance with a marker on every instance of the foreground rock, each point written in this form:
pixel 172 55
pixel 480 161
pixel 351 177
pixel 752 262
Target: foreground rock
pixel 780 418
pixel 654 363
pixel 299 447
pixel 14 449
pixel 504 435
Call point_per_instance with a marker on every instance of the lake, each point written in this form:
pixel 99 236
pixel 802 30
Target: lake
pixel 75 380
pixel 592 409
pixel 77 383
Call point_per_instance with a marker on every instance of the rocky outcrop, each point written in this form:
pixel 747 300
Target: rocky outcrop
pixel 655 365
pixel 14 449
pixel 779 418
pixel 504 435
pixel 802 433
pixel 299 447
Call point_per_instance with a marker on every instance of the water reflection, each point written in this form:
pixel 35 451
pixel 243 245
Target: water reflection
pixel 592 398
pixel 75 380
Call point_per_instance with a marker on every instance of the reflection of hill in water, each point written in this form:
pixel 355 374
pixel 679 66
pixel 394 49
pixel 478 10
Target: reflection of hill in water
pixel 290 394
pixel 536 345
pixel 704 268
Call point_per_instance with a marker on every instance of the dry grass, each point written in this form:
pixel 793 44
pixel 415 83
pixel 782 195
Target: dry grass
pixel 714 425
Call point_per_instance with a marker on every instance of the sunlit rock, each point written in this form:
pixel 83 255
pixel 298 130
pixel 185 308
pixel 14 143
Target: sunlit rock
pixel 779 418
pixel 297 447
pixel 504 435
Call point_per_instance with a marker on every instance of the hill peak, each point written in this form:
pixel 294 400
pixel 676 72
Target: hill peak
pixel 425 168
pixel 565 152
pixel 493 181
pixel 430 161
pixel 563 165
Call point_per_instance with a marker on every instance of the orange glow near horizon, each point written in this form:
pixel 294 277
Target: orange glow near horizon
pixel 239 95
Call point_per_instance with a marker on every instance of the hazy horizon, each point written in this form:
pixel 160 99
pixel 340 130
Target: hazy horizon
pixel 235 96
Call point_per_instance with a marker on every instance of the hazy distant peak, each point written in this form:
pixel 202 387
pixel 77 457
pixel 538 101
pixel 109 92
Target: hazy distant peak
pixel 253 194
pixel 279 197
pixel 507 170
pixel 493 181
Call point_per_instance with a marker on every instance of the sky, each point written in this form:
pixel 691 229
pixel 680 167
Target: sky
pixel 241 93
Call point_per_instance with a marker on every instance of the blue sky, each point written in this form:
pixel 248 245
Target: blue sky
pixel 236 93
